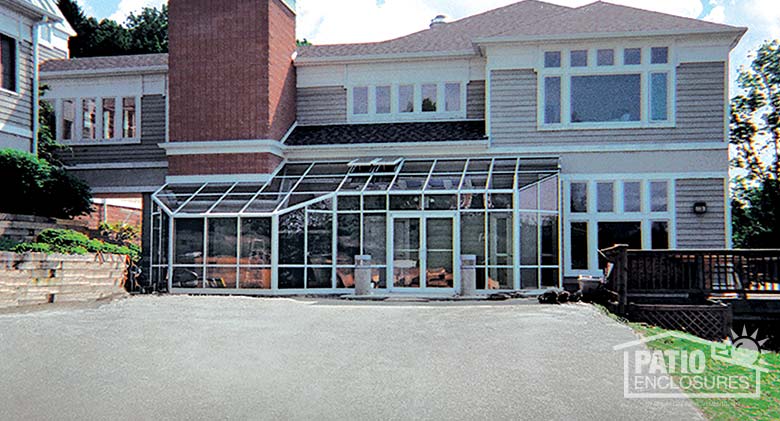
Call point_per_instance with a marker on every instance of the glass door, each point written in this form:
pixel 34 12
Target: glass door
pixel 439 253
pixel 423 252
pixel 406 252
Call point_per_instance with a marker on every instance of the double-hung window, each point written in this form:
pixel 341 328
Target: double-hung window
pixel 8 64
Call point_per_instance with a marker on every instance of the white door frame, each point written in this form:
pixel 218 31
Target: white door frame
pixel 423 216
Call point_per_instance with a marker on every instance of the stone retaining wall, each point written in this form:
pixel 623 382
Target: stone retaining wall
pixel 25 228
pixel 37 278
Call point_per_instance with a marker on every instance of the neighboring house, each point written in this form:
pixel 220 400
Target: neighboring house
pixel 530 136
pixel 30 30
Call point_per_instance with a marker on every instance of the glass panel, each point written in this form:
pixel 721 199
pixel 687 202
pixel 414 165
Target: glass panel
pixel 383 100
pixel 128 118
pixel 89 119
pixel 349 202
pixel 68 118
pixel 606 57
pixel 291 238
pixel 607 98
pixel 579 197
pixel 320 240
pixel 360 100
pixel 659 55
pixel 549 194
pixel 429 98
pixel 345 277
pixel 475 182
pixel 188 241
pixel 374 238
pixel 406 253
pixel 374 202
pixel 579 246
pixel 529 278
pixel 529 239
pixel 500 278
pixel 606 197
pixel 549 240
pixel 450 167
pixel 441 202
pixel 254 278
pixel 529 197
pixel 552 100
pixel 221 277
pixel 659 95
pixel 444 182
pixel 550 278
pixel 256 241
pixel 500 201
pixel 613 233
pixel 579 58
pixel 472 235
pixel 472 201
pixel 479 165
pixel 552 59
pixel 109 115
pixel 348 239
pixel 406 98
pixel 410 182
pixel 439 261
pixel 452 97
pixel 188 277
pixel 632 56
pixel 660 235
pixel 291 278
pixel 504 181
pixel 659 196
pixel 500 239
pixel 632 197
pixel 223 242
pixel 319 278
pixel 404 202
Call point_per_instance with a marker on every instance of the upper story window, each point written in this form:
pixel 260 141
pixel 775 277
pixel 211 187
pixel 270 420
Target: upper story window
pixel 606 87
pixel 8 62
pixel 95 119
pixel 404 102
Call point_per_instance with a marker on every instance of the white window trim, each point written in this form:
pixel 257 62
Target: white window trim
pixel 78 125
pixel 417 115
pixel 593 217
pixel 565 72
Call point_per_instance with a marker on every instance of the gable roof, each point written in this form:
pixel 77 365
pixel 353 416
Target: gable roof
pixel 97 64
pixel 49 9
pixel 529 20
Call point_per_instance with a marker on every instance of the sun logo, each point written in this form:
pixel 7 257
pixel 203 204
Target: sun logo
pixel 747 348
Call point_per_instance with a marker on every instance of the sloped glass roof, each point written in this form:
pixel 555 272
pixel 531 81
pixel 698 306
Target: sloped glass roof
pixel 298 184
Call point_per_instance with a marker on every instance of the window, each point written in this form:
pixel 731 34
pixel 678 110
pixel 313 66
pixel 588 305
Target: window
pixel 606 57
pixel 579 197
pixel 659 196
pixel 383 100
pixel 659 55
pixel 429 98
pixel 579 58
pixel 68 118
pixel 89 119
pixel 128 119
pixel 109 117
pixel 8 62
pixel 579 246
pixel 660 235
pixel 632 197
pixel 615 98
pixel 406 98
pixel 606 197
pixel 452 97
pixel 552 100
pixel 613 233
pixel 552 59
pixel 632 56
pixel 360 100
pixel 659 96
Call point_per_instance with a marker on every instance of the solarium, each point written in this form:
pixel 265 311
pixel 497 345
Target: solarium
pixel 300 231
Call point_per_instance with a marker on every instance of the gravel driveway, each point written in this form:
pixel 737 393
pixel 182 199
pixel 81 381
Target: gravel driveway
pixel 243 358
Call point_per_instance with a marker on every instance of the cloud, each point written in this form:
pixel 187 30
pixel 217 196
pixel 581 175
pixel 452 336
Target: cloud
pixel 125 7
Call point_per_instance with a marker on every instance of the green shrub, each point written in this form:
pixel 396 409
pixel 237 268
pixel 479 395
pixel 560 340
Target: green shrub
pixel 32 186
pixel 73 242
pixel 64 238
pixel 7 244
pixel 33 247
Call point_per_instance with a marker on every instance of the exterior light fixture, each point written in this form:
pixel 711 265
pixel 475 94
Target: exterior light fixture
pixel 700 208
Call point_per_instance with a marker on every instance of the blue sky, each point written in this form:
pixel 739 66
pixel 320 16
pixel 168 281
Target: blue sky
pixel 338 21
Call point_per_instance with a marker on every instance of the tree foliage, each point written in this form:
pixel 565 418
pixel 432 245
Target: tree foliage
pixel 756 216
pixel 48 147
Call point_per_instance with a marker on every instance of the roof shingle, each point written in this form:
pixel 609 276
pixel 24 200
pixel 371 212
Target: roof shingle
pixel 349 134
pixel 105 63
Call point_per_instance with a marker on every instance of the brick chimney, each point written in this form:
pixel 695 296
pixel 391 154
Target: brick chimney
pixel 231 79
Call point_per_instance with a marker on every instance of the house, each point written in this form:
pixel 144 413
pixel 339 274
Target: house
pixel 530 136
pixel 31 31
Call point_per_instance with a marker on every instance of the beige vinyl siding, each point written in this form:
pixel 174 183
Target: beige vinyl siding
pixel 700 111
pixel 701 231
pixel 16 109
pixel 152 133
pixel 49 53
pixel 322 105
pixel 475 99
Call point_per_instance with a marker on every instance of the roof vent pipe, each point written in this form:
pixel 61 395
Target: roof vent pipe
pixel 439 20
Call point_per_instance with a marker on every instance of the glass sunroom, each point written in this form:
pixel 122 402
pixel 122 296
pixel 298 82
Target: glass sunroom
pixel 300 231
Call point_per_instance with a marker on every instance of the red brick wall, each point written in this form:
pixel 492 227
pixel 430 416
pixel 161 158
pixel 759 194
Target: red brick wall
pixel 231 72
pixel 216 164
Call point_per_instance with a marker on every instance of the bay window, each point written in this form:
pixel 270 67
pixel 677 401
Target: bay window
pixel 452 97
pixel 360 100
pixel 383 100
pixel 406 99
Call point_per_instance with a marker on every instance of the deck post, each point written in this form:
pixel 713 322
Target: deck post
pixel 468 275
pixel 621 266
pixel 362 275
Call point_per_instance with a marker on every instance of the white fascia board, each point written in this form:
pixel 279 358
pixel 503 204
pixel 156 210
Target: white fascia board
pixel 378 58
pixel 117 71
pixel 125 190
pixel 224 147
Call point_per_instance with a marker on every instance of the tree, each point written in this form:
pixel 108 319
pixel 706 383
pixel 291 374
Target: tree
pixel 48 147
pixel 756 216
pixel 755 116
pixel 149 30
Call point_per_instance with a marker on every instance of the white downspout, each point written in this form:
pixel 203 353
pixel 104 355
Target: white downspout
pixel 36 83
